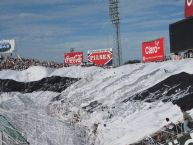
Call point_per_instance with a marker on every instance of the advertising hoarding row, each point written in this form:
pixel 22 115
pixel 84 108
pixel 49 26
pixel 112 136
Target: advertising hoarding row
pixel 153 50
pixel 7 46
pixel 188 8
pixel 180 39
pixel 101 57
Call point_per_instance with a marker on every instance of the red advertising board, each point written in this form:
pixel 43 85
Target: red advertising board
pixel 100 57
pixel 153 50
pixel 188 8
pixel 73 58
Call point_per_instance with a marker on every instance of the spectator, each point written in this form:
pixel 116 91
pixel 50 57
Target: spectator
pixel 187 120
pixel 22 63
pixel 170 130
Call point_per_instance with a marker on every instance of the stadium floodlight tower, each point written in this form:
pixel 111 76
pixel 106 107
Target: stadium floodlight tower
pixel 114 15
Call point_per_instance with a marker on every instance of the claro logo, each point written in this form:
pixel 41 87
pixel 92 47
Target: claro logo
pixel 152 50
pixel 189 2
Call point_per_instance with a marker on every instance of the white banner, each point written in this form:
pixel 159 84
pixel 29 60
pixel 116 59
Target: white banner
pixel 7 46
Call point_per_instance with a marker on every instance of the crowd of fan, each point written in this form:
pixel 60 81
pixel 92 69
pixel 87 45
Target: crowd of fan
pixel 24 63
pixel 16 63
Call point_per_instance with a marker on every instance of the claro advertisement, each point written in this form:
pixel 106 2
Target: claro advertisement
pixel 73 58
pixel 188 8
pixel 153 50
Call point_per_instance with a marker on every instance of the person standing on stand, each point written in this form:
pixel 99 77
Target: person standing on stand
pixel 187 120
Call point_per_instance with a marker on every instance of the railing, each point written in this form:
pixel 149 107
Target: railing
pixel 10 135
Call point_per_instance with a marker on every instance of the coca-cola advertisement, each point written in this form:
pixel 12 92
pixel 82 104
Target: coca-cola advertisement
pixel 188 8
pixel 153 50
pixel 100 57
pixel 73 58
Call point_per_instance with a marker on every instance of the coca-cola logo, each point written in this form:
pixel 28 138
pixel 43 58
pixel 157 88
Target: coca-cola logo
pixel 189 2
pixel 73 58
pixel 152 50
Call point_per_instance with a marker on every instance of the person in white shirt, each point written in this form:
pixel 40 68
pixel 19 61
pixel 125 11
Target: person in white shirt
pixel 187 120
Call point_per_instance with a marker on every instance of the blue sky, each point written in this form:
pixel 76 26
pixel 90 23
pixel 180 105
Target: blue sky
pixel 47 29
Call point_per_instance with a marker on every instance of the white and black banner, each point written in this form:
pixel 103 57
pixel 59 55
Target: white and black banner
pixel 7 46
